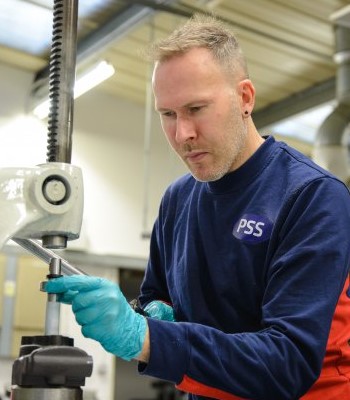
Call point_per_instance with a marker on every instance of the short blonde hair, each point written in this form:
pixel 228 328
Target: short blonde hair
pixel 204 31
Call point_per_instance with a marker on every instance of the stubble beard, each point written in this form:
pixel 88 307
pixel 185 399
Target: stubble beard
pixel 229 155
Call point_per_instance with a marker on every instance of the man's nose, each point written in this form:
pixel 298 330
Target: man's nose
pixel 185 130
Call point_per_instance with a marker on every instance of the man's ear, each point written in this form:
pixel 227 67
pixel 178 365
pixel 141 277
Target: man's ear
pixel 246 91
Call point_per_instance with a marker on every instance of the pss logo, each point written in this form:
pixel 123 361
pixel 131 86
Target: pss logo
pixel 252 228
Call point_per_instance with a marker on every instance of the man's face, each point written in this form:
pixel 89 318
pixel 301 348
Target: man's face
pixel 201 113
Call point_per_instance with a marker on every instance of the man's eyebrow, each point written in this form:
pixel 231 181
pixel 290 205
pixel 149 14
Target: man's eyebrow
pixel 197 102
pixel 161 109
pixel 194 103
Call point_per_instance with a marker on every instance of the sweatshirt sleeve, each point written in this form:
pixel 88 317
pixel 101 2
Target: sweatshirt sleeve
pixel 306 274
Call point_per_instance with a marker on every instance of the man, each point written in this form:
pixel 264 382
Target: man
pixel 249 257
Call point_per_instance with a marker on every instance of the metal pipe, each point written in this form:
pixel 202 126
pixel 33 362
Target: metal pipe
pixel 330 147
pixel 46 255
pixel 147 144
pixel 53 307
pixel 8 305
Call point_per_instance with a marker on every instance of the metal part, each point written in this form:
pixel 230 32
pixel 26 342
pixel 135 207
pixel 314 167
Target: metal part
pixel 330 147
pixel 55 267
pixel 54 241
pixel 135 305
pixel 147 143
pixel 342 59
pixel 8 302
pixel 55 190
pixel 46 255
pixel 49 367
pixel 52 316
pixel 61 94
pixel 20 393
pixel 26 212
pixel 62 79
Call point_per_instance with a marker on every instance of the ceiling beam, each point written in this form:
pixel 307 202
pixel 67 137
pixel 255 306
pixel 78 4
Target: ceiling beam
pixel 295 104
pixel 120 24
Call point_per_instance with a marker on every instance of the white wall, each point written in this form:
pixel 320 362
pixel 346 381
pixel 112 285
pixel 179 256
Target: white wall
pixel 108 146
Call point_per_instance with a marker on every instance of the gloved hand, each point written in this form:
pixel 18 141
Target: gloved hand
pixel 103 313
pixel 159 310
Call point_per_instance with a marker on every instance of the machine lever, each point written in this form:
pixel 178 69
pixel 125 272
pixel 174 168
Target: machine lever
pixel 46 255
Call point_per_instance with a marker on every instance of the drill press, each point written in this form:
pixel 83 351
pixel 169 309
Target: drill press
pixel 49 366
pixel 50 199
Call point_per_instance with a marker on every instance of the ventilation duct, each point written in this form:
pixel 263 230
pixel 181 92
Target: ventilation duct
pixel 331 143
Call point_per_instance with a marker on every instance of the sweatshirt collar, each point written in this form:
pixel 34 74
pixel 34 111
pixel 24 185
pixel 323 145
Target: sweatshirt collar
pixel 245 173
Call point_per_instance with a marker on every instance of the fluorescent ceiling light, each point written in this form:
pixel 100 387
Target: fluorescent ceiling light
pixel 84 83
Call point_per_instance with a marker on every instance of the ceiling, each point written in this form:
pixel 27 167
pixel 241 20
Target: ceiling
pixel 289 45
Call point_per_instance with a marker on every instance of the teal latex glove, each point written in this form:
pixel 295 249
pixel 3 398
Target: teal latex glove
pixel 159 310
pixel 103 313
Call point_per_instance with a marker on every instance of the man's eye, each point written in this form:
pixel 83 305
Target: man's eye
pixel 168 114
pixel 195 109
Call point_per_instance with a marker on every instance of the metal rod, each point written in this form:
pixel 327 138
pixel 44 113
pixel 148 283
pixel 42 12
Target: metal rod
pixel 46 255
pixel 62 80
pixel 53 307
pixel 8 305
pixel 147 143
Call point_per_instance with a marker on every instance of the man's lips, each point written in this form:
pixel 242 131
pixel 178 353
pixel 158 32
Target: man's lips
pixel 195 156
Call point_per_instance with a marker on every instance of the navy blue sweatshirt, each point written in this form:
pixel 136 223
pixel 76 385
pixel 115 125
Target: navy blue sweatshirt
pixel 253 265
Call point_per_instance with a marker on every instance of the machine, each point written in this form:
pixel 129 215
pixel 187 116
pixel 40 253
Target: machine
pixel 41 208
